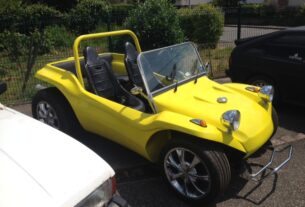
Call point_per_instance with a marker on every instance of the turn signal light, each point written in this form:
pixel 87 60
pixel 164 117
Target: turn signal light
pixel 253 89
pixel 199 122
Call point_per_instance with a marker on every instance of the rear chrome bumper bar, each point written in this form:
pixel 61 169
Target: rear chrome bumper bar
pixel 262 174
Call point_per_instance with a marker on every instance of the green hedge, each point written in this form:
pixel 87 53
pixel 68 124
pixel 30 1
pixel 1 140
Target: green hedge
pixel 260 14
pixel 156 24
pixel 203 24
pixel 87 15
pixel 27 19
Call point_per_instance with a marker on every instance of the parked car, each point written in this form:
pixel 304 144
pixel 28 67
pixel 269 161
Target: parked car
pixel 160 104
pixel 41 166
pixel 276 59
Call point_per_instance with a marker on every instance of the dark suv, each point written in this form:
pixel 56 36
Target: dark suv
pixel 277 58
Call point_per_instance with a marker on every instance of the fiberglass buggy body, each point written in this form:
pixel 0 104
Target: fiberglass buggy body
pixel 160 104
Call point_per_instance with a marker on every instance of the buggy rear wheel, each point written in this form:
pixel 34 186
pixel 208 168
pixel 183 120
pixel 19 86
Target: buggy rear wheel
pixel 51 107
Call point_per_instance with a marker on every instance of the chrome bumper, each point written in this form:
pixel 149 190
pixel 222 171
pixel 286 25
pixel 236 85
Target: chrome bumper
pixel 262 173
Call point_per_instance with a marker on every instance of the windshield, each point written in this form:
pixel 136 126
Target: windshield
pixel 170 65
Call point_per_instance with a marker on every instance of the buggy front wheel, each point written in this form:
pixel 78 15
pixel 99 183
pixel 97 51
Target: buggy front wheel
pixel 198 173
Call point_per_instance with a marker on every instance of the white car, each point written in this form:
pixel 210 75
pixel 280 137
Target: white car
pixel 41 166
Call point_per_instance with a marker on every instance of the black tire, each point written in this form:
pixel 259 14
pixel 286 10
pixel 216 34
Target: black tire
pixel 275 120
pixel 59 107
pixel 213 164
pixel 261 80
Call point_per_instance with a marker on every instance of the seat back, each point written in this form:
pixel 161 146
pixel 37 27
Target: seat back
pixel 104 82
pixel 99 74
pixel 131 65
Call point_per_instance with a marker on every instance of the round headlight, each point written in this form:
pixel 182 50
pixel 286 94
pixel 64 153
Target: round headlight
pixel 231 119
pixel 266 93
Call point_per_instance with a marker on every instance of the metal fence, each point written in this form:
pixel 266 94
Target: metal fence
pixel 16 69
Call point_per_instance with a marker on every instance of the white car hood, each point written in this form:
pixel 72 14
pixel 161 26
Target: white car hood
pixel 41 166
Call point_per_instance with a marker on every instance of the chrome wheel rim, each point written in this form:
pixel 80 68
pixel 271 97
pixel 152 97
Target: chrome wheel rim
pixel 187 173
pixel 46 114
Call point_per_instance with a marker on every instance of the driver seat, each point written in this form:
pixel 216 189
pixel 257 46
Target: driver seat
pixel 104 83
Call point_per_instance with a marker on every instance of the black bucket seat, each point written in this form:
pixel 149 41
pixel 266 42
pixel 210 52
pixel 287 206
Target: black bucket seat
pixel 131 65
pixel 104 83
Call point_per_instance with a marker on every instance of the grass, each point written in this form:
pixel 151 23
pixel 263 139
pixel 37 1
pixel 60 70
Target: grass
pixel 10 74
pixel 218 58
pixel 14 77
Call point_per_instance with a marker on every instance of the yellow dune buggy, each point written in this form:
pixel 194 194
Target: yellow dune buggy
pixel 160 104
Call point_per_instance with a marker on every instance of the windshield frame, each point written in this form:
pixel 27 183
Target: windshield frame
pixel 173 85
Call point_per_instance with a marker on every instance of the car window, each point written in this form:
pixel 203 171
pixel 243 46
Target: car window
pixel 291 53
pixel 290 39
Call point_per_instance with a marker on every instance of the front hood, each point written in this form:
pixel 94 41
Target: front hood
pixel 52 164
pixel 200 101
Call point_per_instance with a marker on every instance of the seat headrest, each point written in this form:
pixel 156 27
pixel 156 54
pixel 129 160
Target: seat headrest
pixel 90 56
pixel 131 52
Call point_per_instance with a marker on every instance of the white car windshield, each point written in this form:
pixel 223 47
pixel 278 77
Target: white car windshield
pixel 165 67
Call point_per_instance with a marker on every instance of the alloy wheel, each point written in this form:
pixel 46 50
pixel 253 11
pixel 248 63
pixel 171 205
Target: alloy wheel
pixel 47 114
pixel 187 173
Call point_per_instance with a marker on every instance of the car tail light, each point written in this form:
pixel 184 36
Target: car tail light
pixel 113 181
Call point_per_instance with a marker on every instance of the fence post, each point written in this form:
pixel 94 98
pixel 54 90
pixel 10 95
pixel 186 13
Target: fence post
pixel 238 20
pixel 110 47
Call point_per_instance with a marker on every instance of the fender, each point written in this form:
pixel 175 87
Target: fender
pixel 181 123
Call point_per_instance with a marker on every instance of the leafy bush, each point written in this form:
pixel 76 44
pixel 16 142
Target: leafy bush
pixel 62 5
pixel 223 3
pixel 38 16
pixel 261 14
pixel 24 36
pixel 9 5
pixel 186 18
pixel 156 24
pixel 59 37
pixel 202 24
pixel 87 14
pixel 27 19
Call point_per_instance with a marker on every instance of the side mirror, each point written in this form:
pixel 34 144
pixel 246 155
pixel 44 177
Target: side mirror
pixel 136 90
pixel 3 87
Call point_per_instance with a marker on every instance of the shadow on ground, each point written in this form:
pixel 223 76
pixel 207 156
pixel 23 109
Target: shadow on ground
pixel 292 118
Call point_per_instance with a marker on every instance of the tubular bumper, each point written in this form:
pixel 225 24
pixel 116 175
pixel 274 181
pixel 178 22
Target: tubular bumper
pixel 261 174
